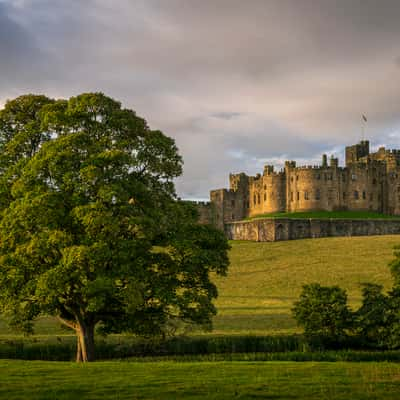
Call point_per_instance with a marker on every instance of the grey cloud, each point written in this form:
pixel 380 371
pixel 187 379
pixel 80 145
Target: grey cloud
pixel 237 84
pixel 18 50
pixel 226 114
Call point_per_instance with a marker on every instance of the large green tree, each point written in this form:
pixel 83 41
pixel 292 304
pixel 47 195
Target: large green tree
pixel 91 231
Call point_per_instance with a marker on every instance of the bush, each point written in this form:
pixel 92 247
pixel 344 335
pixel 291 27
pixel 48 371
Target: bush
pixel 324 314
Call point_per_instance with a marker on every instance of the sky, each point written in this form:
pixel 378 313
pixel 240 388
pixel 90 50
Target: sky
pixel 237 84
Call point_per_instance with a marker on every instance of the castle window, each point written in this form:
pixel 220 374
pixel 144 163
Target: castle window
pixel 306 195
pixel 356 194
pixel 364 195
pixel 233 203
pixel 291 179
pixel 317 194
pixel 344 195
pixel 255 199
pixel 318 176
pixel 265 196
pixel 259 198
pixel 353 177
pixel 398 189
pixel 298 196
pixel 374 181
pixel 291 196
pixel 297 177
pixel 265 187
pixel 330 177
pixel 233 216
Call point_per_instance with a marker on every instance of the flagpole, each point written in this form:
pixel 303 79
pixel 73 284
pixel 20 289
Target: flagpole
pixel 362 130
pixel 363 123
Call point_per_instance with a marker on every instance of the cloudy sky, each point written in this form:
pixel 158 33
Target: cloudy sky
pixel 237 83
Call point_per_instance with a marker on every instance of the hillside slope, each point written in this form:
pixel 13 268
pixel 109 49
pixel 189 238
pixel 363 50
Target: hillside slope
pixel 265 278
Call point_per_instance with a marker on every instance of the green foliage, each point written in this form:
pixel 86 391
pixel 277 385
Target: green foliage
pixel 371 317
pixel 90 226
pixel 323 312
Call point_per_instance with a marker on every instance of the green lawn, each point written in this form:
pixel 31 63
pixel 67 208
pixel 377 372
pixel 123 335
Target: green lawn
pixel 201 380
pixel 326 215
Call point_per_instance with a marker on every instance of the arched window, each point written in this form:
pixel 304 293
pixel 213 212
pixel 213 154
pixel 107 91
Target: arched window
pixel 356 194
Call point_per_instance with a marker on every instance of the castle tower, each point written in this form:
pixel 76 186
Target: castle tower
pixel 357 151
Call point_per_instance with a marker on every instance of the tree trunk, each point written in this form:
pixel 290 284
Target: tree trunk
pixel 78 349
pixel 85 342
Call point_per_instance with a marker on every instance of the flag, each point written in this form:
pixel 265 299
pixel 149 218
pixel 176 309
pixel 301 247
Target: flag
pixel 364 118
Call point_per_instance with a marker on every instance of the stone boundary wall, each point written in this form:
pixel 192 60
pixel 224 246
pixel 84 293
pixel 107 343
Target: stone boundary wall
pixel 275 229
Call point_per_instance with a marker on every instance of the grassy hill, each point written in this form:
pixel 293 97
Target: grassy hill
pixel 265 279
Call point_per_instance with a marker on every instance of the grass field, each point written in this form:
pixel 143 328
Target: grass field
pixel 255 299
pixel 264 280
pixel 201 380
pixel 326 215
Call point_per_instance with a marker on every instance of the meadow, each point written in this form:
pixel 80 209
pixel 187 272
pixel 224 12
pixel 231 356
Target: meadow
pixel 198 380
pixel 255 300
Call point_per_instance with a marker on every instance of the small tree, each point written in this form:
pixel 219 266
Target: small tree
pixel 371 319
pixel 323 312
pixel 90 228
pixel 391 323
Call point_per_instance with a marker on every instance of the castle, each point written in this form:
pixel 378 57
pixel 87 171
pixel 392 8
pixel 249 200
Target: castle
pixel 368 182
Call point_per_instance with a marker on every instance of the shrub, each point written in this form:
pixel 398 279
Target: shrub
pixel 324 314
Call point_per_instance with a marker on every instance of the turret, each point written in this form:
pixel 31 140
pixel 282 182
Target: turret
pixel 268 169
pixel 357 151
pixel 333 162
pixel 324 160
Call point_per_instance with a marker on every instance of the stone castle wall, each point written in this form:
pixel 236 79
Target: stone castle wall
pixel 271 230
pixel 368 182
